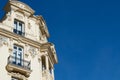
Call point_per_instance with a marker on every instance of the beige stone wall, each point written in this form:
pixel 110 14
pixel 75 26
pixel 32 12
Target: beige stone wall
pixel 35 37
pixel 32 29
pixel 6 49
pixel 4 53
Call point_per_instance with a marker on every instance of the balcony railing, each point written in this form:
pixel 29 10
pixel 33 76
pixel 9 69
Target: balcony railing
pixel 18 65
pixel 19 62
pixel 18 32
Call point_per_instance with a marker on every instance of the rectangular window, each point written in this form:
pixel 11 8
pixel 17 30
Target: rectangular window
pixel 43 63
pixel 18 55
pixel 18 27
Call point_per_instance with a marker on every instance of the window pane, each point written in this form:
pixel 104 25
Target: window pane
pixel 20 27
pixel 15 24
pixel 14 79
pixel 19 60
pixel 15 47
pixel 18 55
pixel 20 49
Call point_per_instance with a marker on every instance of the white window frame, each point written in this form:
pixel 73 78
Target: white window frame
pixel 18 27
pixel 18 54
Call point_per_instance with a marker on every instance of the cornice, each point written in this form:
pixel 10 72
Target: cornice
pixel 26 7
pixel 51 51
pixel 43 26
pixel 42 46
pixel 20 5
pixel 19 38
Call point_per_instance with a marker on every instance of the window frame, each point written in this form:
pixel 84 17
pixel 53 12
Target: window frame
pixel 18 54
pixel 19 27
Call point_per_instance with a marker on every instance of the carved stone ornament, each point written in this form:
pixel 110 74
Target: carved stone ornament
pixel 29 26
pixel 26 51
pixel 10 45
pixel 19 16
pixel 18 75
pixel 10 50
pixel 23 7
pixel 32 51
pixel 26 55
pixel 9 18
pixel 39 59
pixel 3 41
pixel 19 40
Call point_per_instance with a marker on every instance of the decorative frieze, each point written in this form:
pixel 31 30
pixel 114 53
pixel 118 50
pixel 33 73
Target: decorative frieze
pixel 10 45
pixel 32 51
pixel 19 40
pixel 26 51
pixel 3 41
pixel 29 26
pixel 19 16
pixel 18 75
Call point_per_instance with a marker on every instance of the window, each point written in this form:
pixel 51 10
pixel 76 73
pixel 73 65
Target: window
pixel 18 55
pixel 14 79
pixel 18 27
pixel 43 63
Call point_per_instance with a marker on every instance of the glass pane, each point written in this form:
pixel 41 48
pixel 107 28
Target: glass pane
pixel 14 53
pixel 14 57
pixel 20 27
pixel 20 49
pixel 19 60
pixel 15 24
pixel 23 27
pixel 17 55
pixel 15 47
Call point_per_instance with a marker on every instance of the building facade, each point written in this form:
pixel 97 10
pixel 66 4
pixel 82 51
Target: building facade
pixel 25 53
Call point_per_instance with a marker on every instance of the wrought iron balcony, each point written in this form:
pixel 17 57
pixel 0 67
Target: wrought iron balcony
pixel 18 65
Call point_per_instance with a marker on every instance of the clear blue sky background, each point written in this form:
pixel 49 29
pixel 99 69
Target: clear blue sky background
pixel 86 34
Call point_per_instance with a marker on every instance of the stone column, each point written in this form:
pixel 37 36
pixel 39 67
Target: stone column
pixel 47 63
pixel 53 73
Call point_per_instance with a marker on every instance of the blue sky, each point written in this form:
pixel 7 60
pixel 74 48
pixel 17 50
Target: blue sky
pixel 86 34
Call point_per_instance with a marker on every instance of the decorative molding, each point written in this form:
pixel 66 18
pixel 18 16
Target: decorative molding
pixel 22 6
pixel 10 45
pixel 18 75
pixel 51 52
pixel 15 37
pixel 26 51
pixel 32 51
pixel 9 18
pixel 19 16
pixel 10 50
pixel 19 40
pixel 46 74
pixel 3 41
pixel 26 55
pixel 29 26
pixel 8 15
pixel 39 59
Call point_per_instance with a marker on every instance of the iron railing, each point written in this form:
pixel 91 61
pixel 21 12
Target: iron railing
pixel 19 62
